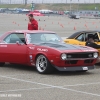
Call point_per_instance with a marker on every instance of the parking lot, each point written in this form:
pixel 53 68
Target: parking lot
pixel 19 82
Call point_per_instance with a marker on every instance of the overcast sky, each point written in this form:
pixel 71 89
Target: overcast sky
pixel 51 1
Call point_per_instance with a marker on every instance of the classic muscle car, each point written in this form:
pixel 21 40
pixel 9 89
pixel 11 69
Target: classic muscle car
pixel 45 50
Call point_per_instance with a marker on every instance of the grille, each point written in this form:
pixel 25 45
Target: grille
pixel 88 61
pixel 80 55
pixel 71 62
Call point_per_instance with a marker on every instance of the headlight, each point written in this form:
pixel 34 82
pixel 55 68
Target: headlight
pixel 63 56
pixel 95 55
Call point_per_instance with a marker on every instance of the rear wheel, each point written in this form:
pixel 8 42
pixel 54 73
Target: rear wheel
pixel 43 66
pixel 2 64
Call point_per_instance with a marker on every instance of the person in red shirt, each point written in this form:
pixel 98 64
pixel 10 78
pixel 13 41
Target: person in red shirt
pixel 33 24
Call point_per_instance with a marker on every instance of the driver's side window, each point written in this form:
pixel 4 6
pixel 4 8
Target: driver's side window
pixel 80 37
pixel 14 37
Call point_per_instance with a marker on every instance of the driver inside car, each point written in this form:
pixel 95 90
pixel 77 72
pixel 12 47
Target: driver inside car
pixel 91 43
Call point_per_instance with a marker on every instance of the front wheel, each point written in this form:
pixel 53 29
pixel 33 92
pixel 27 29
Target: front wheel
pixel 2 64
pixel 43 66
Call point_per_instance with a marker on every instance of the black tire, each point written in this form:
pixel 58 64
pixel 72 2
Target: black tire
pixel 2 64
pixel 43 65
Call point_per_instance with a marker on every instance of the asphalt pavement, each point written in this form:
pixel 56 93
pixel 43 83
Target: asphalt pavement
pixel 19 82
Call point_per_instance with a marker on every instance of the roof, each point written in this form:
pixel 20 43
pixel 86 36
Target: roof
pixel 75 34
pixel 31 31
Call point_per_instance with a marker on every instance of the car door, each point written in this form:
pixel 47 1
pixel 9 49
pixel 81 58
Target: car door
pixel 13 49
pixel 97 37
pixel 80 39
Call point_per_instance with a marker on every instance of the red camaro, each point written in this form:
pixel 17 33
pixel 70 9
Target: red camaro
pixel 46 51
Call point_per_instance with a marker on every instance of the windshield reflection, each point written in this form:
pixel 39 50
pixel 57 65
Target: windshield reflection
pixel 37 38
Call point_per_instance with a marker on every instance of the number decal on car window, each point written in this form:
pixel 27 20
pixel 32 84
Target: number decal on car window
pixel 28 36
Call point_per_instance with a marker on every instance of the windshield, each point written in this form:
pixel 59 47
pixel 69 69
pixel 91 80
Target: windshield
pixel 36 38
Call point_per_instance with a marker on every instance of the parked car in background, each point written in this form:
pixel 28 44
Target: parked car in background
pixel 74 16
pixel 80 38
pixel 35 13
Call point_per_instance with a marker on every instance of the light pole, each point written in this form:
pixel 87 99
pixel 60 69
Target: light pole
pixel 42 1
pixel 10 1
pixel 78 6
pixel 53 1
pixel 95 5
pixel 70 6
pixel 25 2
pixel 66 1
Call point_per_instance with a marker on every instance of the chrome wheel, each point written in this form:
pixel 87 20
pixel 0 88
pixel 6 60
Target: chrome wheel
pixel 41 63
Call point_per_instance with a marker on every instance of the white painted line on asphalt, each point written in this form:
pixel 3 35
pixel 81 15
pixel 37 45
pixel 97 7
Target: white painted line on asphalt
pixel 17 74
pixel 27 81
pixel 82 92
pixel 64 85
pixel 52 86
pixel 17 90
pixel 81 84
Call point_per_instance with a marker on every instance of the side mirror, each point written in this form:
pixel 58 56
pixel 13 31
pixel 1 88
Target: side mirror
pixel 17 42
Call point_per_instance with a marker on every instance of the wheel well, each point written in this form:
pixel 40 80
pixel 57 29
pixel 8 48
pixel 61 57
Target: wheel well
pixel 41 54
pixel 38 55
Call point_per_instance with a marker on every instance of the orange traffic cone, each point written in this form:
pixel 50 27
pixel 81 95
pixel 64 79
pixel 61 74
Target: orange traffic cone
pixel 74 28
pixel 85 25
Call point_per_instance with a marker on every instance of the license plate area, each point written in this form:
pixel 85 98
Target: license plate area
pixel 85 68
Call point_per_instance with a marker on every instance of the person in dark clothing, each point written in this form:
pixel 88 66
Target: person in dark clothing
pixel 33 24
pixel 92 44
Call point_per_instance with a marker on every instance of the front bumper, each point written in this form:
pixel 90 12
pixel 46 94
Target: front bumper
pixel 76 68
pixel 98 60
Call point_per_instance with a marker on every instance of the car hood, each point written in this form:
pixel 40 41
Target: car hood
pixel 64 46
